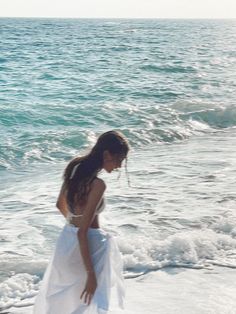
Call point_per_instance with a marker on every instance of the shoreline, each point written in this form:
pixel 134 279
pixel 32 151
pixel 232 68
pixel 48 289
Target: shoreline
pixel 175 290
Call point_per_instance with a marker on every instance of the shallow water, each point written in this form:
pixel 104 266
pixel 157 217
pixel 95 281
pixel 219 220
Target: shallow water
pixel 169 86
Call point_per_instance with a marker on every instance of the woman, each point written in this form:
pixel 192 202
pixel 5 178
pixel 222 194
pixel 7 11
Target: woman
pixel 86 265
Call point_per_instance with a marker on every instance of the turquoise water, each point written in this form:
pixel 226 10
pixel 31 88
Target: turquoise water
pixel 61 79
pixel 170 87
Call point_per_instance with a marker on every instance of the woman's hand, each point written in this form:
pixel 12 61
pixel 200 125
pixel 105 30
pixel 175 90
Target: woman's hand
pixel 90 288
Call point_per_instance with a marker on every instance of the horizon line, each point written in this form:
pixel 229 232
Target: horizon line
pixel 121 18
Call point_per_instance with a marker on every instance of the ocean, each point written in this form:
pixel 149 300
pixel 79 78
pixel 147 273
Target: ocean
pixel 170 87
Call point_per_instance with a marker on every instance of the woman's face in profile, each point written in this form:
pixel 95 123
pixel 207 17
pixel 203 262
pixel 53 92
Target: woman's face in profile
pixel 112 161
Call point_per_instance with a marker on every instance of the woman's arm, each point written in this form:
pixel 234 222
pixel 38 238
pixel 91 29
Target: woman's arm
pixel 61 201
pixel 94 196
pixel 95 223
pixel 97 189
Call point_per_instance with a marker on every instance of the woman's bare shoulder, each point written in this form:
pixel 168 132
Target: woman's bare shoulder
pixel 98 183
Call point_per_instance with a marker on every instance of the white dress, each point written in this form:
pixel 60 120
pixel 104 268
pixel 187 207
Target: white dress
pixel 65 276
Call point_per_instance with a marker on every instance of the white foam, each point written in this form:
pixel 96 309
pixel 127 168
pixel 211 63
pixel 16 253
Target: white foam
pixel 17 290
pixel 172 291
pixel 195 248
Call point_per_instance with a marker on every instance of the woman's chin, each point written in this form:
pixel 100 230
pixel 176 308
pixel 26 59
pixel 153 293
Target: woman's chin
pixel 108 170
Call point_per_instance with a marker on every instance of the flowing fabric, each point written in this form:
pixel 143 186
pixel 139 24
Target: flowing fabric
pixel 65 277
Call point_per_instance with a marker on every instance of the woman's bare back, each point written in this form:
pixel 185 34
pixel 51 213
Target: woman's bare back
pixel 76 217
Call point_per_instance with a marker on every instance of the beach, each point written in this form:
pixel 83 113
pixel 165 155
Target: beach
pixel 169 86
pixel 178 290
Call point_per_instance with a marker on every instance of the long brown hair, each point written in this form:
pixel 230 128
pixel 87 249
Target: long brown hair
pixel 81 171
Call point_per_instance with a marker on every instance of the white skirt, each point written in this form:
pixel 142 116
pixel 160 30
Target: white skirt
pixel 65 276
